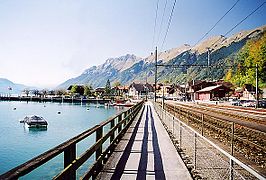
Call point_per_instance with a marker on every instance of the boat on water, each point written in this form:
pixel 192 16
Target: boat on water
pixel 35 122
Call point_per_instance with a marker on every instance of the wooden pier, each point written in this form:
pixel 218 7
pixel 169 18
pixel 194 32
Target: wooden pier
pixel 54 99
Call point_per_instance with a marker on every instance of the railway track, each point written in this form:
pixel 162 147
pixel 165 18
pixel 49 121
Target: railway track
pixel 248 138
pixel 242 114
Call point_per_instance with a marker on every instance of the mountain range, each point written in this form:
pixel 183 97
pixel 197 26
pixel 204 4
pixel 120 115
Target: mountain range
pixel 130 68
pixel 5 84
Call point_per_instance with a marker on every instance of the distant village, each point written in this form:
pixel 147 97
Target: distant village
pixel 195 90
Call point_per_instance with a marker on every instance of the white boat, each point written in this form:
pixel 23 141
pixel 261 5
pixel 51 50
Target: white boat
pixel 35 121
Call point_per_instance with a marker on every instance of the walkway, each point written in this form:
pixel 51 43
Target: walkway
pixel 145 152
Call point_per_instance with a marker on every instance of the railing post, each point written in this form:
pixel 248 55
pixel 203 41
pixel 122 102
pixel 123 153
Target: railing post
pixel 187 117
pixel 98 153
pixel 120 119
pixel 113 134
pixel 180 134
pixel 202 124
pixel 126 120
pixel 69 157
pixel 195 150
pixel 173 125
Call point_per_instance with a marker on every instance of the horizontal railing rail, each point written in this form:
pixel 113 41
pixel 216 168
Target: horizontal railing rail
pixel 118 125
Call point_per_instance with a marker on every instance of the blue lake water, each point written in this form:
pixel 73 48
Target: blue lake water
pixel 19 144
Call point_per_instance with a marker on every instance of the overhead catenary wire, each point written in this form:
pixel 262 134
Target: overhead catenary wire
pixel 216 23
pixel 169 23
pixel 155 23
pixel 240 22
pixel 161 23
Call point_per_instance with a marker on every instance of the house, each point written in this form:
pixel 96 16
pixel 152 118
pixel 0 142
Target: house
pixel 171 91
pixel 196 85
pixel 100 91
pixel 249 92
pixel 264 93
pixel 120 90
pixel 139 90
pixel 212 92
pixel 164 90
pixel 79 90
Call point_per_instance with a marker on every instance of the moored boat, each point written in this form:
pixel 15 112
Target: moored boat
pixel 35 121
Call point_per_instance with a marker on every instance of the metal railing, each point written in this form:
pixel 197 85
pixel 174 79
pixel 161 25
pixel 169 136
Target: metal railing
pixel 204 158
pixel 109 131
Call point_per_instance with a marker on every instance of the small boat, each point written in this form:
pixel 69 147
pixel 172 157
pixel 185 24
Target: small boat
pixel 35 122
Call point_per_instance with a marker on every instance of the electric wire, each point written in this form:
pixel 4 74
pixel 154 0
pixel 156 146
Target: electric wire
pixel 216 23
pixel 155 23
pixel 161 24
pixel 240 22
pixel 169 23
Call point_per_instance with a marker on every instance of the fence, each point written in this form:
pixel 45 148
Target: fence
pixel 108 132
pixel 203 157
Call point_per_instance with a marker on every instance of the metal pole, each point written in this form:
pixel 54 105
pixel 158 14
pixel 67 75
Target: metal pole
pixel 195 150
pixel 193 83
pixel 208 63
pixel 173 126
pixel 208 60
pixel 232 152
pixel 155 80
pixel 163 98
pixel 180 134
pixel 257 97
pixel 202 123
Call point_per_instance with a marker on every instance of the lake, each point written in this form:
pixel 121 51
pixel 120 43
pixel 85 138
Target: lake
pixel 19 144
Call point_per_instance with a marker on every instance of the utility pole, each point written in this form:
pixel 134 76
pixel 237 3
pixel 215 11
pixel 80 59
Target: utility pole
pixel 208 62
pixel 155 80
pixel 193 83
pixel 257 96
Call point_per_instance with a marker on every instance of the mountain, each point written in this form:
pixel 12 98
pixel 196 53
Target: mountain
pixel 98 75
pixel 129 68
pixel 16 88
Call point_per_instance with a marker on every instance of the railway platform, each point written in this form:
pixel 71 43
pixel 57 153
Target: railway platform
pixel 145 152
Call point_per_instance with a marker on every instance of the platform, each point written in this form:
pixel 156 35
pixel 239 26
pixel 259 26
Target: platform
pixel 145 152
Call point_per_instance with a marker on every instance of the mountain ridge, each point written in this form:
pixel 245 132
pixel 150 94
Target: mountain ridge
pixel 16 88
pixel 129 68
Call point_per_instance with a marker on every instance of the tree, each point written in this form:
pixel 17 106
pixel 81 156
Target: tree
pixel 44 92
pixel 87 90
pixel 26 91
pixel 252 53
pixel 116 84
pixel 74 89
pixel 60 92
pixel 108 87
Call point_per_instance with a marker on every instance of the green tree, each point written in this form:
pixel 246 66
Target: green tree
pixel 74 89
pixel 252 53
pixel 108 87
pixel 87 90
pixel 116 84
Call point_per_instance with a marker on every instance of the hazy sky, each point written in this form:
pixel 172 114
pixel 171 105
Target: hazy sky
pixel 45 42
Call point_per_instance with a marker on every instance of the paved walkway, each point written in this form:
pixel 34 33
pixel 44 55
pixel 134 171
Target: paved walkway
pixel 145 152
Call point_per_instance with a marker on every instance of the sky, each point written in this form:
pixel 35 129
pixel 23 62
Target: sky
pixel 43 43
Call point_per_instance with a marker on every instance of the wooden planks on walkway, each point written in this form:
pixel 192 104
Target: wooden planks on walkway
pixel 145 152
